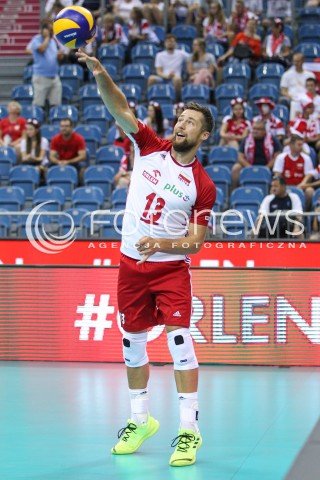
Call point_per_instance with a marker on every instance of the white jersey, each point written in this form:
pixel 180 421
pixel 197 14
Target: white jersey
pixel 163 195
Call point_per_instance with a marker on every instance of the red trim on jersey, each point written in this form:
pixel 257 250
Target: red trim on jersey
pixel 206 195
pixel 148 142
pixel 293 170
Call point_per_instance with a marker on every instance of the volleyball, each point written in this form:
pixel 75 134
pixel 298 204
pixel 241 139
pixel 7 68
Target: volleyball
pixel 74 27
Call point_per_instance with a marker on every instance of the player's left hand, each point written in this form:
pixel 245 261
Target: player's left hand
pixel 146 247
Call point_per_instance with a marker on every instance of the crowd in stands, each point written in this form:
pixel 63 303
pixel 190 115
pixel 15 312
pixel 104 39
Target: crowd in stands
pixel 253 68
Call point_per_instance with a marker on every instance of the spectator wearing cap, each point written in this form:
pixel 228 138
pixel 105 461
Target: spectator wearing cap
pixel 293 81
pixel 155 119
pixel 273 124
pixel 12 127
pixel 306 124
pixel 168 64
pixel 295 166
pixel 276 46
pixel 258 148
pixel 311 91
pixel 235 127
pixel 34 148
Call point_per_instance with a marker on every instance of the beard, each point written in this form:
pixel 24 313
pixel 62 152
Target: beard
pixel 182 147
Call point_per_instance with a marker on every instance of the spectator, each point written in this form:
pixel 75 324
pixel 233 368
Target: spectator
pixel 293 81
pixel 123 177
pixel 259 148
pixel 12 127
pixel 295 166
pixel 307 124
pixel 68 147
pixel 239 19
pixel 153 12
pixel 279 200
pixel 155 119
pixel 316 223
pixel 311 91
pixel 235 127
pixel 183 11
pixel 121 139
pixel 139 29
pixel 111 32
pixel 34 148
pixel 201 65
pixel 45 79
pixel 279 9
pixel 276 45
pixel 123 8
pixel 254 6
pixel 273 124
pixel 247 45
pixel 215 25
pixel 168 64
pixel 178 109
pixel 52 7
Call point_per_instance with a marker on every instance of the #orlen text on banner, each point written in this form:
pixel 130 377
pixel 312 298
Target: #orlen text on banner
pixel 240 316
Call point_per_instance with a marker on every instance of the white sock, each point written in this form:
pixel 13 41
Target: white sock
pixel 188 404
pixel 139 400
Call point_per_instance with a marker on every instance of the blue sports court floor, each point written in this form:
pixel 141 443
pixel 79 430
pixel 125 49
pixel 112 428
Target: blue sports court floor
pixel 59 421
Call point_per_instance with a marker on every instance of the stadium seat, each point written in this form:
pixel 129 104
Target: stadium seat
pixel 168 111
pixel 72 75
pixel 32 111
pixel 256 176
pixel 263 90
pixel 66 223
pixel 49 131
pixel 12 198
pixel 195 92
pixel 26 177
pixel 311 51
pixel 185 33
pixel 316 198
pixel 270 73
pixel 100 176
pixel 220 198
pixel 111 69
pixel 144 54
pixel 247 111
pixel 215 48
pixel 7 160
pixel 162 93
pixel 89 198
pixel 113 54
pixel 111 225
pixel 92 136
pixel 119 198
pixel 42 223
pixel 132 91
pixel 27 74
pixel 237 224
pixel 63 176
pixel 142 112
pixel 23 94
pixel 237 73
pixel 282 112
pixel 63 111
pixel 136 74
pixel 3 111
pixel 214 111
pixel 98 115
pixel 298 191
pixel 67 94
pixel 225 93
pixel 111 135
pixel 226 156
pixel 110 155
pixel 249 196
pixel 310 16
pixel 221 176
pixel 4 224
pixel 89 95
pixel 51 194
pixel 288 31
pixel 159 31
pixel 309 33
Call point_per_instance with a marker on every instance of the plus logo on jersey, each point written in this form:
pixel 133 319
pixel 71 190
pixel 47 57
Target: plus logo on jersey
pixel 184 178
pixel 174 190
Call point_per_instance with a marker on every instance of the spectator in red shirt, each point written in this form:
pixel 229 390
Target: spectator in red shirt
pixel 12 127
pixel 235 127
pixel 68 147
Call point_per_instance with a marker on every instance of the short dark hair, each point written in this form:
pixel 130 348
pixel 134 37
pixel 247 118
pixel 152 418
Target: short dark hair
pixel 281 179
pixel 67 119
pixel 311 79
pixel 208 123
pixel 170 35
pixel 295 138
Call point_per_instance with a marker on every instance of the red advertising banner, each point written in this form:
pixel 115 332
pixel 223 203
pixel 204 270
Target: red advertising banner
pixel 240 316
pixel 212 254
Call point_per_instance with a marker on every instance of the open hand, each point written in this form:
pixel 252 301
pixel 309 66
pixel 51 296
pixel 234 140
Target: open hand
pixel 92 63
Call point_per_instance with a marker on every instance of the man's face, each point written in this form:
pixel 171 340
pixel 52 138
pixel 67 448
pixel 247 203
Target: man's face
pixel 239 8
pixel 258 131
pixel 170 43
pixel 297 61
pixel 188 131
pixel 297 147
pixel 277 188
pixel 311 87
pixel 65 128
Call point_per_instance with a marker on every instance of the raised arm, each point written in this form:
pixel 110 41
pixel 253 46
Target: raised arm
pixel 111 95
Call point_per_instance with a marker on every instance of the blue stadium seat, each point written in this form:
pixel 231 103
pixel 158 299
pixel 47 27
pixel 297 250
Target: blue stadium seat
pixel 89 198
pixel 42 223
pixel 23 94
pixel 63 176
pixel 162 93
pixel 215 48
pixel 3 111
pixel 221 176
pixel 252 196
pixel 168 111
pixel 263 90
pixel 12 198
pixel 270 73
pixel 89 95
pixel 316 198
pixel 137 74
pixel 225 93
pixel 282 112
pixel 66 223
pixel 159 31
pixel 71 75
pixel 113 54
pixel 26 177
pixel 132 91
pixel 220 199
pixel 226 156
pixel 98 115
pixel 310 16
pixel 27 74
pixel 309 33
pixel 298 191
pixel 92 136
pixel 238 223
pixel 314 157
pixel 185 33
pixel 311 51
pixel 7 160
pixel 49 131
pixel 110 155
pixel 111 135
pixel 100 176
pixel 195 92
pixel 67 94
pixel 32 111
pixel 145 54
pixel 63 111
pixel 5 223
pixel 119 198
pixel 247 111
pixel 52 194
pixel 237 73
pixel 111 225
pixel 256 176
pixel 111 69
